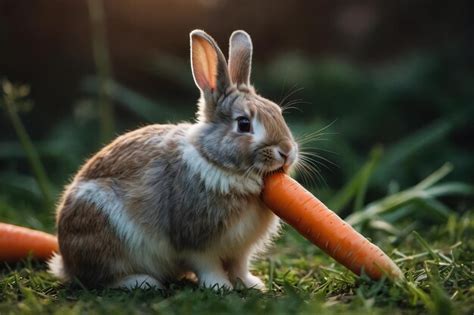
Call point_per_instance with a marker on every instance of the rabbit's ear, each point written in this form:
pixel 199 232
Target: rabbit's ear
pixel 208 64
pixel 240 57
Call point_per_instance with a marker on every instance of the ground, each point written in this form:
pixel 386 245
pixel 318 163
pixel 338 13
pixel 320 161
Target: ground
pixel 300 278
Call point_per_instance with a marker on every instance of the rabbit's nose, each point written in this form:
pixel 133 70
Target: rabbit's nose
pixel 287 152
pixel 284 148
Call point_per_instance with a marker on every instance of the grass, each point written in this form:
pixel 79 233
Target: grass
pixel 300 278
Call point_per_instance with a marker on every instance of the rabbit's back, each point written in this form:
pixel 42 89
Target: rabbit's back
pixel 128 155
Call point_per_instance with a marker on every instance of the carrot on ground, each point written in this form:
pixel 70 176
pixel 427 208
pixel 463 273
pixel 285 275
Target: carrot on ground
pixel 18 242
pixel 309 216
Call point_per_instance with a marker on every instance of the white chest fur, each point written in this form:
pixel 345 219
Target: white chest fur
pixel 253 230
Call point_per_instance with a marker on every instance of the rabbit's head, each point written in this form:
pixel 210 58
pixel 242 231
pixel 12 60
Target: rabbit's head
pixel 237 129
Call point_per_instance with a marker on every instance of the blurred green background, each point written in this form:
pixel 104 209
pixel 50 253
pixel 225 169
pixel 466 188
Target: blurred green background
pixel 391 85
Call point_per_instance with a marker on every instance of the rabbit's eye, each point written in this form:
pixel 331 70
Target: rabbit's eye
pixel 243 124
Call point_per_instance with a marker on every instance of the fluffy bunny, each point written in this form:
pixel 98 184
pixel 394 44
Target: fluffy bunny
pixel 166 200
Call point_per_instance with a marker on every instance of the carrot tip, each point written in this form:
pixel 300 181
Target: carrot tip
pixel 17 243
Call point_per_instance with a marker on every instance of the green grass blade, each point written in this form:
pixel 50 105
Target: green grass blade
pixel 435 177
pixel 454 188
pixel 425 245
pixel 9 101
pixel 394 201
pixel 102 64
pixel 366 173
pixel 357 185
pixel 344 196
pixel 384 205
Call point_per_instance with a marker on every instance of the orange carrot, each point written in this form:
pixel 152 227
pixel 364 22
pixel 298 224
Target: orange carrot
pixel 309 216
pixel 18 242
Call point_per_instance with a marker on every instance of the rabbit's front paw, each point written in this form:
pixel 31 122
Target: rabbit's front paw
pixel 138 282
pixel 215 281
pixel 252 282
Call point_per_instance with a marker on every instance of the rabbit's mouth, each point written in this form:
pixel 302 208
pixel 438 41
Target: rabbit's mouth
pixel 282 169
pixel 265 170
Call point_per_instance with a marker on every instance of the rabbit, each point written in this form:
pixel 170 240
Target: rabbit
pixel 168 200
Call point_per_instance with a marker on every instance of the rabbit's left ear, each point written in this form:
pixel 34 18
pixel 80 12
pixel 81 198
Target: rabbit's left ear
pixel 208 64
pixel 240 57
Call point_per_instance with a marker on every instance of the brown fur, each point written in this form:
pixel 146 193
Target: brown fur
pixel 110 161
pixel 90 261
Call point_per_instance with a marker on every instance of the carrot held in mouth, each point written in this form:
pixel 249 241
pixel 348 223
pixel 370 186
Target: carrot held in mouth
pixel 310 217
pixel 18 242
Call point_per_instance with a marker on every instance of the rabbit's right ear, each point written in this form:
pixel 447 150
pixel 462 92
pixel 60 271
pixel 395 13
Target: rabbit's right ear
pixel 240 57
pixel 208 65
